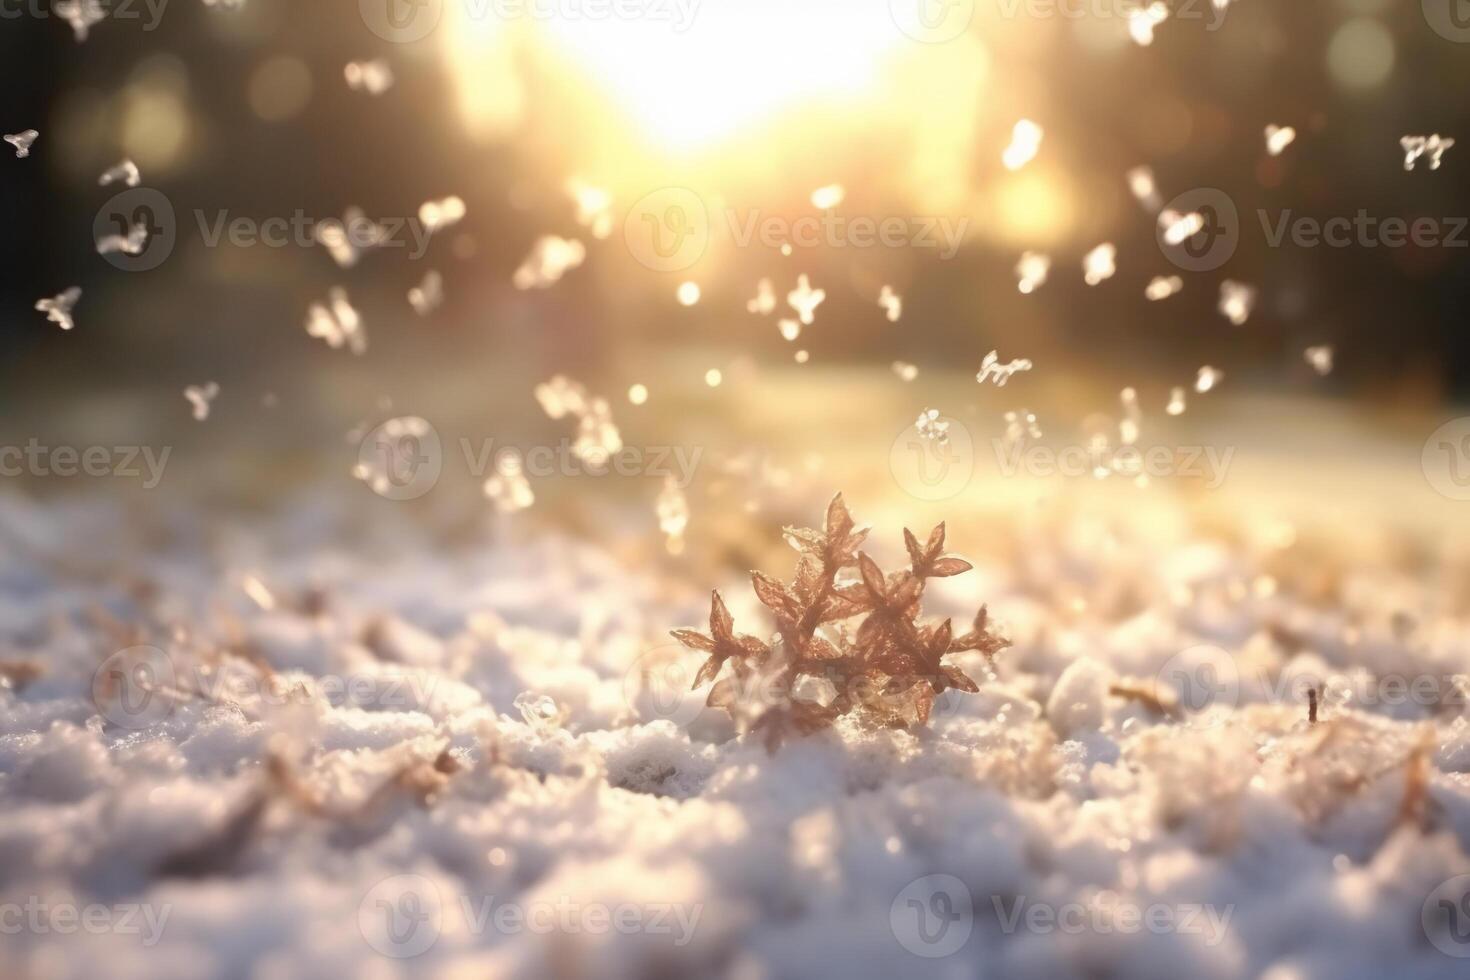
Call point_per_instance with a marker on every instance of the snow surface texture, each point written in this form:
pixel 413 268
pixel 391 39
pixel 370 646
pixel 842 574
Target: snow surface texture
pixel 348 766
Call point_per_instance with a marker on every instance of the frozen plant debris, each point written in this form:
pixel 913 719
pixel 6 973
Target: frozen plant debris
pixel 859 641
pixel 1278 138
pixel 597 437
pixel 1207 379
pixel 688 293
pixel 1142 186
pixel 550 259
pixel 1179 228
pixel 508 488
pixel 932 428
pixel 200 397
pixel 80 15
pixel 58 308
pixel 1025 142
pixel 827 197
pixel 805 300
pixel 891 302
pixel 1032 270
pixel 1162 287
pixel 992 368
pixel 672 508
pixel 1236 301
pixel 132 243
pixel 337 322
pixel 1143 20
pixel 428 295
pixel 1176 404
pixel 23 142
pixel 373 77
pixel 438 215
pixel 126 171
pixel 594 207
pixel 1100 264
pixel 1320 358
pixel 1417 146
pixel 905 370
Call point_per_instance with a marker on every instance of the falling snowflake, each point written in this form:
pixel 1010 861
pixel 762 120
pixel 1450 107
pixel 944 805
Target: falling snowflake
pixel 1143 20
pixel 1032 270
pixel 905 370
pixel 1320 358
pixel 891 302
pixel 1236 301
pixel 1025 142
pixel 827 197
pixel 126 171
pixel 133 243
pixel 337 322
pixel 1278 138
pixel 1021 425
pixel 1100 264
pixel 373 77
pixel 1162 287
pixel 991 367
pixel 1176 404
pixel 1417 146
pixel 508 488
pixel 23 142
pixel 764 301
pixel 81 15
pixel 1143 187
pixel 550 259
pixel 672 508
pixel 428 295
pixel 1178 228
pixel 200 397
pixel 438 215
pixel 932 428
pixel 58 309
pixel 1207 379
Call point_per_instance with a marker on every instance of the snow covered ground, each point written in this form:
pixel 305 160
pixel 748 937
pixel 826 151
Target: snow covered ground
pixel 317 748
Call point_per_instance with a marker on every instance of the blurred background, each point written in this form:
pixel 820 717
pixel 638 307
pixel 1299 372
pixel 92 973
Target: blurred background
pixel 568 125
